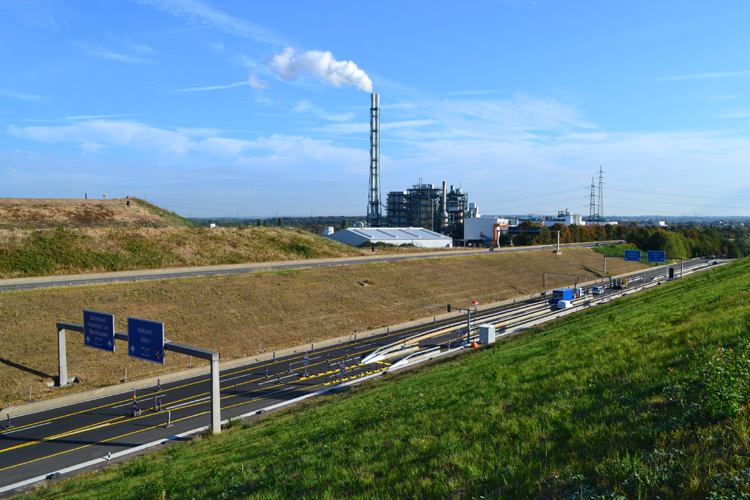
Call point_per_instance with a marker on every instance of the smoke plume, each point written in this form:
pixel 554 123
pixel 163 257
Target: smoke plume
pixel 289 65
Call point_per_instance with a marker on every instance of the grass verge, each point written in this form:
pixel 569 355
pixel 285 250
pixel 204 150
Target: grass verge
pixel 235 314
pixel 645 397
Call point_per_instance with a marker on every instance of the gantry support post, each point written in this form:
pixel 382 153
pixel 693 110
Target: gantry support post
pixel 62 359
pixel 215 396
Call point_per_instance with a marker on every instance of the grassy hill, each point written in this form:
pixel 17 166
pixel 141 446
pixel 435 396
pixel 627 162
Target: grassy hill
pixel 67 251
pixel 49 213
pixel 643 398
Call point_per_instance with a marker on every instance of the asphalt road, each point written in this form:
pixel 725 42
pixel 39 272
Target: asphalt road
pixel 15 284
pixel 45 442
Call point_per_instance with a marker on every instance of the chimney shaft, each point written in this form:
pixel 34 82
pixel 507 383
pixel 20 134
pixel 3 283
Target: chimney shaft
pixel 374 217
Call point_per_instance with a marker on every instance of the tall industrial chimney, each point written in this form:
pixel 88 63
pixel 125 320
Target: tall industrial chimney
pixel 374 217
pixel 444 212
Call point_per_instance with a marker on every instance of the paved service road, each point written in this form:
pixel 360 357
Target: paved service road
pixel 47 441
pixel 14 284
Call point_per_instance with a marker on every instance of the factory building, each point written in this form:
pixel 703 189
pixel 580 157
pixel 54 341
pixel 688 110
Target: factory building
pixel 417 236
pixel 479 231
pixel 565 217
pixel 430 207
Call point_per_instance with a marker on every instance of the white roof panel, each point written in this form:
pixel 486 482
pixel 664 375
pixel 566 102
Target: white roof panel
pixel 383 234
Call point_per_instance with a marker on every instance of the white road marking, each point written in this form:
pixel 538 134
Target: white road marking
pixel 25 428
pixel 273 379
pixel 78 431
pixel 239 376
pixel 189 402
pixel 131 403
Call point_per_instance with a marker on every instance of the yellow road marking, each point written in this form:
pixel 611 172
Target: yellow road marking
pixel 63 434
pixel 358 342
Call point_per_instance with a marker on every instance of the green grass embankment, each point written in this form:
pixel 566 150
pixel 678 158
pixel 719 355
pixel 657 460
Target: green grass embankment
pixel 645 397
pixel 72 251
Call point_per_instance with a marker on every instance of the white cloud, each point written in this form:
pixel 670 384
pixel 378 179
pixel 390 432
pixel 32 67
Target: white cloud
pixel 737 113
pixel 92 147
pixel 727 97
pixel 363 128
pixel 18 95
pixel 94 117
pixel 222 146
pixel 706 75
pixel 526 170
pixel 215 87
pixel 110 133
pixel 257 84
pixel 94 135
pixel 107 54
pixel 308 107
pixel 320 65
pixel 504 175
pixel 199 12
pixel 310 160
pixel 143 49
pixel 522 112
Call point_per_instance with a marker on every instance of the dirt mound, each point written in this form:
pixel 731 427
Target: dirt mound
pixel 43 213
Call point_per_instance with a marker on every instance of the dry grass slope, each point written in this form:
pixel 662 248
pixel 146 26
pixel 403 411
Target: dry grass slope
pixel 43 213
pixel 233 314
pixel 64 251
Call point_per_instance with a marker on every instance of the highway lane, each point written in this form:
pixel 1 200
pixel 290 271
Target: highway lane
pixel 52 439
pixel 15 284
pixel 47 441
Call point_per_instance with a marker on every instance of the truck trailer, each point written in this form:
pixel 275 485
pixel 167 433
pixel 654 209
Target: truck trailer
pixel 566 294
pixel 562 294
pixel 619 283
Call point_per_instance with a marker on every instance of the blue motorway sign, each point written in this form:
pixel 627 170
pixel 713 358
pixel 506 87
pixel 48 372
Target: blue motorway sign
pixel 633 255
pixel 657 256
pixel 146 340
pixel 99 330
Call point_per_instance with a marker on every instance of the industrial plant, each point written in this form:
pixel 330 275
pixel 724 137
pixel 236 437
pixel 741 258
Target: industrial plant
pixel 421 206
pixel 431 216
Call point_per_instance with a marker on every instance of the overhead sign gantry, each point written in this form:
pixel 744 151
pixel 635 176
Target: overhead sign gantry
pixel 99 330
pixel 146 340
pixel 633 255
pixel 150 340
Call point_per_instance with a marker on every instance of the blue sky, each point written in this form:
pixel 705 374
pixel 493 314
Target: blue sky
pixel 257 108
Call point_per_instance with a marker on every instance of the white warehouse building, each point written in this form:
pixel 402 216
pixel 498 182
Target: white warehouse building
pixel 565 217
pixel 417 236
pixel 478 229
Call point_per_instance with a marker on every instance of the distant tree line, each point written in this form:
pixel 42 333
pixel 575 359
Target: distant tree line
pixel 312 224
pixel 684 241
